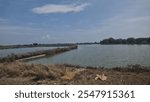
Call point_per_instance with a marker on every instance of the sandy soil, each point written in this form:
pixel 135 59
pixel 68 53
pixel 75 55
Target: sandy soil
pixel 29 74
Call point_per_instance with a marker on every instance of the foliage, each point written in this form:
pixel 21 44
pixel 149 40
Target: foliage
pixel 126 41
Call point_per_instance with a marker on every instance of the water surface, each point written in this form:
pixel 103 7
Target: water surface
pixel 5 52
pixel 102 55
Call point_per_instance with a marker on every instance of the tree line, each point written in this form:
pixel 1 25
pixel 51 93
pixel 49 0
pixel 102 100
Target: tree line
pixel 126 41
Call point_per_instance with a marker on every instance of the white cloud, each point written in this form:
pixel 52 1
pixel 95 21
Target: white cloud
pixel 55 8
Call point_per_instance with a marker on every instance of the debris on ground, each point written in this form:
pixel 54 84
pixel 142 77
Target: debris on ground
pixel 100 77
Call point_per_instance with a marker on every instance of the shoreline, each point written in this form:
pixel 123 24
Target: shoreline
pixel 36 54
pixel 20 73
pixel 32 57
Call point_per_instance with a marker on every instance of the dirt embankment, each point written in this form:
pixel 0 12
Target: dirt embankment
pixel 22 73
pixel 35 45
pixel 35 54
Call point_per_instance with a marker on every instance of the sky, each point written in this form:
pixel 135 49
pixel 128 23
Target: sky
pixel 71 21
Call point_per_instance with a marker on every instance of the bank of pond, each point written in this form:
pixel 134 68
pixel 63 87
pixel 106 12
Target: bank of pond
pixel 36 54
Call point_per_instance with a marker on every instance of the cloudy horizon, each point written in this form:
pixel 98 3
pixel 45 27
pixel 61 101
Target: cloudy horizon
pixel 68 21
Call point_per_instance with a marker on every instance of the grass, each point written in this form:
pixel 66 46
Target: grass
pixel 22 73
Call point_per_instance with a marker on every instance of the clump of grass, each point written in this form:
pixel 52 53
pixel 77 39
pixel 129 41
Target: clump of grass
pixel 17 69
pixel 40 72
pixel 70 65
pixel 69 75
pixel 132 68
pixel 9 70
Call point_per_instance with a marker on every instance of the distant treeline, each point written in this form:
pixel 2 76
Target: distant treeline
pixel 126 41
pixel 87 43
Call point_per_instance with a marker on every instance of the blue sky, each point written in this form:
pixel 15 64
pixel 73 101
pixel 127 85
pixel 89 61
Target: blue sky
pixel 63 21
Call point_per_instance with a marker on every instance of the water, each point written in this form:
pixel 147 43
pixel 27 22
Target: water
pixel 5 52
pixel 102 55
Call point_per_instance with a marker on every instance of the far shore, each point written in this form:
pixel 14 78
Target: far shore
pixel 35 45
pixel 108 41
pixel 21 73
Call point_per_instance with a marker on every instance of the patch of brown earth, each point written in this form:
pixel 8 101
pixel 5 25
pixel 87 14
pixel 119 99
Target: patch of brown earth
pixel 29 74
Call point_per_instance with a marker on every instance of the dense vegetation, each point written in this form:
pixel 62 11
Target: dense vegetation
pixel 126 41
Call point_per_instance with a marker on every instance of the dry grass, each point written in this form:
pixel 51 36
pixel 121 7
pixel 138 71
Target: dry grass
pixel 22 73
pixel 71 74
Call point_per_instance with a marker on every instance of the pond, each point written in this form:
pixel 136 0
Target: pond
pixel 101 55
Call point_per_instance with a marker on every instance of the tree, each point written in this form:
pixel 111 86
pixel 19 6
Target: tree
pixel 35 44
pixel 126 41
pixel 131 41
